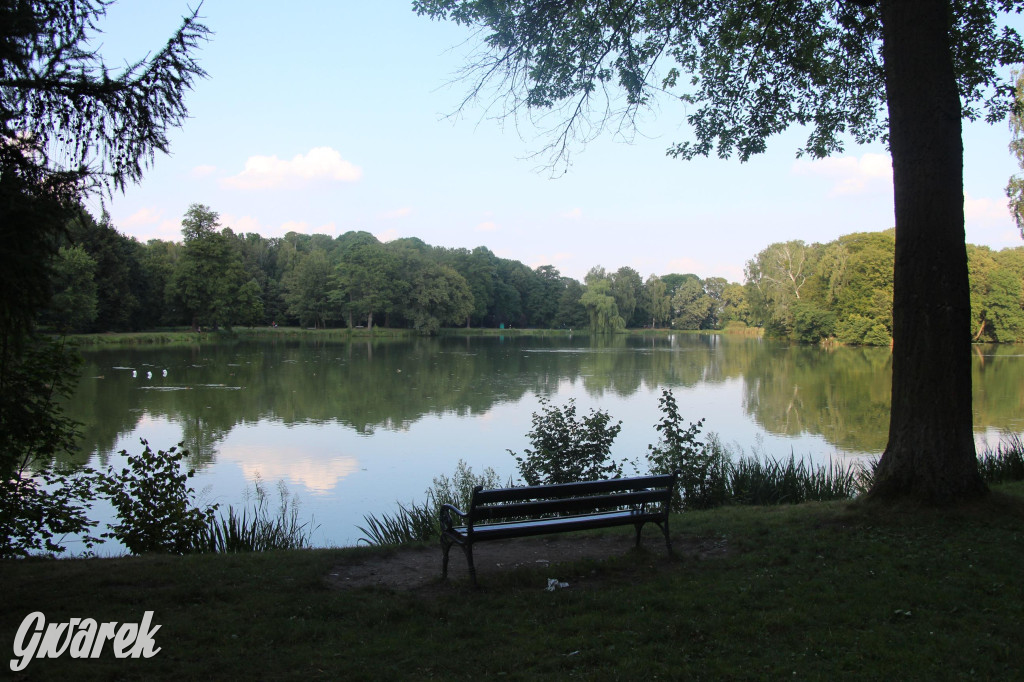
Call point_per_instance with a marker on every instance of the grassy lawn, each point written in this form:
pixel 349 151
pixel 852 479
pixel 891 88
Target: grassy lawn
pixel 816 591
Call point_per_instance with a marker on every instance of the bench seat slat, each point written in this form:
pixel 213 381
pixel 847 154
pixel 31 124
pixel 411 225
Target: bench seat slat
pixel 571 504
pixel 500 531
pixel 494 495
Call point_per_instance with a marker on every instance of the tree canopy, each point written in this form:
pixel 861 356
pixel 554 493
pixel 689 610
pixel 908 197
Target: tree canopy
pixel 69 126
pixel 905 72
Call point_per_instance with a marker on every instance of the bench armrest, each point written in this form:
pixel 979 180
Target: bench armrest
pixel 446 515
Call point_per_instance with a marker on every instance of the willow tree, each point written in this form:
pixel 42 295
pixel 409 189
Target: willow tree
pixel 905 72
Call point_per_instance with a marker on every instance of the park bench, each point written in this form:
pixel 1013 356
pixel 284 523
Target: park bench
pixel 503 513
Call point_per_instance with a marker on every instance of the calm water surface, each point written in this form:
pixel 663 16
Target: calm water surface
pixel 354 427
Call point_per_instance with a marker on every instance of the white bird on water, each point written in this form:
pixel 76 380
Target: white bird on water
pixel 165 372
pixel 134 374
pixel 149 375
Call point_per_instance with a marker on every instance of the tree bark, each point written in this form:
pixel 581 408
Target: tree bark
pixel 930 455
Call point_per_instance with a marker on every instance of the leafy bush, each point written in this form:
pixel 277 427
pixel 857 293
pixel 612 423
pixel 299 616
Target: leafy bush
pixel 702 467
pixel 853 328
pixel 568 449
pixel 812 324
pixel 154 503
pixel 40 502
pixel 857 330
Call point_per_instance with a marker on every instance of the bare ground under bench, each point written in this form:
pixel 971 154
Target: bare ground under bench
pixel 412 568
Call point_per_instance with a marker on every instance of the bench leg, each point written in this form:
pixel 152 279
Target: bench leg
pixel 468 549
pixel 639 527
pixel 446 545
pixel 668 540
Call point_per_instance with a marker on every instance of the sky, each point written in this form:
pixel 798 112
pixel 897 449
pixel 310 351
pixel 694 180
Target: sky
pixel 325 117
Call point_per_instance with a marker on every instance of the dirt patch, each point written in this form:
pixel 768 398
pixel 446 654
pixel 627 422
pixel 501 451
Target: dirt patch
pixel 418 567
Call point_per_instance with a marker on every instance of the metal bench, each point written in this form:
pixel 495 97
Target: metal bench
pixel 502 513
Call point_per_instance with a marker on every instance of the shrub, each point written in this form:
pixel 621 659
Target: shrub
pixel 853 328
pixel 812 324
pixel 702 467
pixel 40 501
pixel 567 449
pixel 154 503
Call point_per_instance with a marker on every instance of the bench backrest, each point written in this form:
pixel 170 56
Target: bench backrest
pixel 565 498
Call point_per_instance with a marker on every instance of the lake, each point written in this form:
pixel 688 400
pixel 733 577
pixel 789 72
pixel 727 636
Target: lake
pixel 353 427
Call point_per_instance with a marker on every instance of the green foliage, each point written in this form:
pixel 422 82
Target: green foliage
pixel 439 295
pixel 209 275
pixel 600 305
pixel 258 531
pixel 655 303
pixel 250 303
pixel 567 449
pixel 154 503
pixel 812 324
pixel 1015 187
pixel 691 306
pixel 308 287
pixel 854 329
pixel 701 466
pixel 73 306
pixel 40 502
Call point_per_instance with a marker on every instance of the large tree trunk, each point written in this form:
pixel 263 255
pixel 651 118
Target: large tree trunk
pixel 930 455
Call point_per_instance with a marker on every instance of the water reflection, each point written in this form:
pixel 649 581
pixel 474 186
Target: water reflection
pixel 841 394
pixel 359 425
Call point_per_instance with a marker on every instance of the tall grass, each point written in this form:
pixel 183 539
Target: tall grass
pixel 1005 462
pixel 768 481
pixel 258 530
pixel 422 521
pixel 409 524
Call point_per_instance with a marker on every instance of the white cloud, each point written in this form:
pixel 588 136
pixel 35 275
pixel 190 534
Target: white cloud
pixel 144 216
pixel 203 171
pixel 386 236
pixel 243 224
pixel 487 226
pixel 148 223
pixel 397 213
pixel 269 172
pixel 986 210
pixel 573 214
pixel 685 265
pixel 988 221
pixel 849 174
pixel 293 463
pixel 561 261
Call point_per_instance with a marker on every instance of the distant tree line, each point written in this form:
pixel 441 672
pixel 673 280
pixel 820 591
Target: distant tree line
pixel 213 278
pixel 843 290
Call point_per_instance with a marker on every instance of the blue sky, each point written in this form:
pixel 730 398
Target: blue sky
pixel 333 116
